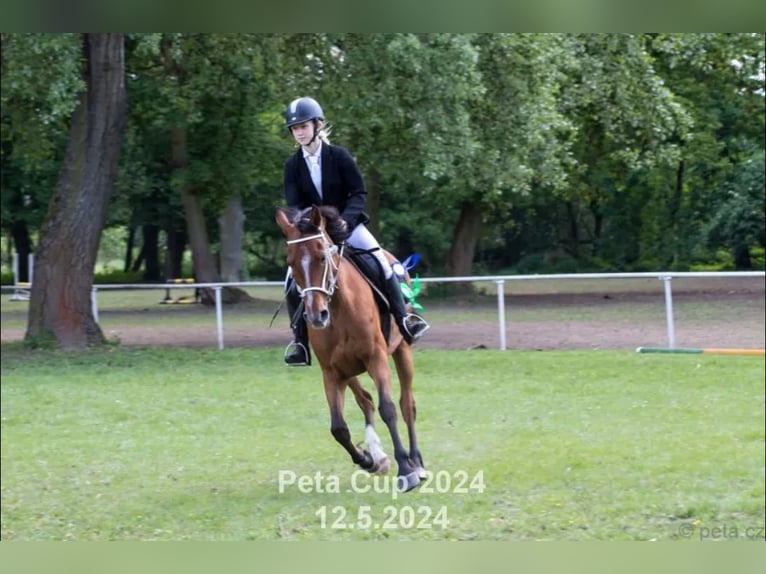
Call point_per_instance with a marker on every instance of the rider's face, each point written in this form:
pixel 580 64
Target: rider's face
pixel 303 132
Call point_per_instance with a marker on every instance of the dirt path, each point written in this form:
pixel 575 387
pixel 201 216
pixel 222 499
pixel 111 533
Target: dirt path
pixel 743 327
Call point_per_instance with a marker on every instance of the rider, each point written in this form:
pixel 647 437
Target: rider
pixel 323 174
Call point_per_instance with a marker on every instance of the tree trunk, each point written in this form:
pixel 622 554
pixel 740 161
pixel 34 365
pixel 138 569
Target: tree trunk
pixel 573 241
pixel 675 209
pixel 149 254
pixel 129 251
pixel 139 261
pixel 203 262
pixel 22 244
pixel 231 223
pixel 464 240
pixel 742 261
pixel 232 234
pixel 60 302
pixel 174 258
pixel 598 226
pixel 151 240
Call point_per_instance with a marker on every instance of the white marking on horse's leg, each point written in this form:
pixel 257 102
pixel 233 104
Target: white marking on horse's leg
pixel 382 462
pixel 373 443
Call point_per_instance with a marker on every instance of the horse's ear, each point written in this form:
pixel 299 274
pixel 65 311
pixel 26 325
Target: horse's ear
pixel 283 221
pixel 316 218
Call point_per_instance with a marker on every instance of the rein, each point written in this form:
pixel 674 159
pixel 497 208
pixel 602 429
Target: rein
pixel 309 238
pixel 330 273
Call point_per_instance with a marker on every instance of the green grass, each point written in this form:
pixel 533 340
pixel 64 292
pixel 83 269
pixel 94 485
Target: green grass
pixel 172 444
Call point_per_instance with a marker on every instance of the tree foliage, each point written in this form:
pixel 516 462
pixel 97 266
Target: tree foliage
pixel 525 152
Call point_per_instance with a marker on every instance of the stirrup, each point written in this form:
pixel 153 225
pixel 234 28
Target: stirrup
pixel 298 347
pixel 416 320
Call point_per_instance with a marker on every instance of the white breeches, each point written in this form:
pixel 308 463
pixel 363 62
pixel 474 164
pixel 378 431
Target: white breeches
pixel 361 238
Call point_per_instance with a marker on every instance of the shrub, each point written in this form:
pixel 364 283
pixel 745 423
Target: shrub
pixel 118 277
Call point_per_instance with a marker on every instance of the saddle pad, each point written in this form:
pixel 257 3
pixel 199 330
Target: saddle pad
pixel 370 267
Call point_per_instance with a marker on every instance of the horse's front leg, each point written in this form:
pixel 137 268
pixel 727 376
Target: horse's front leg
pixel 335 390
pixel 407 475
pixel 364 400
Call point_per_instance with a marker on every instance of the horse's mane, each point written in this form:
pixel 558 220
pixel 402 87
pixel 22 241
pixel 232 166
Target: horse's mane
pixel 335 226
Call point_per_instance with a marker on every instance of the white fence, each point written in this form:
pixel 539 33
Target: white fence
pixel 664 277
pixel 498 280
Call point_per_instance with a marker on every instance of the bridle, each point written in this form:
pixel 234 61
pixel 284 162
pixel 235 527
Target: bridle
pixel 330 273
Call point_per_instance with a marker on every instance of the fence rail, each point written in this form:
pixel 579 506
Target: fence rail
pixel 498 280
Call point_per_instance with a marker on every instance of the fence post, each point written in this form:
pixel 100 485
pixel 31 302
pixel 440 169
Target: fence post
pixel 218 316
pixel 94 302
pixel 501 311
pixel 669 311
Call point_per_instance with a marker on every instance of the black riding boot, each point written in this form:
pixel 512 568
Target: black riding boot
pixel 412 326
pixel 299 356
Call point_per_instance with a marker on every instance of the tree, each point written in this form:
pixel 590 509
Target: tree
pixel 523 137
pixel 40 79
pixel 612 151
pixel 400 103
pixel 719 80
pixel 210 93
pixel 738 220
pixel 60 302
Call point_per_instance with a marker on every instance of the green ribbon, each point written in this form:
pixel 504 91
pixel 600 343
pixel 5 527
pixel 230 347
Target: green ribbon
pixel 410 293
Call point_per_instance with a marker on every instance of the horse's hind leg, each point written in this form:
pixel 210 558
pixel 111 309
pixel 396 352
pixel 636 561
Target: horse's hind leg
pixel 335 393
pixel 365 402
pixel 406 372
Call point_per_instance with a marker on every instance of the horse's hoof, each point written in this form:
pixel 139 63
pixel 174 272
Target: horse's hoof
pixel 382 467
pixel 408 481
pixel 422 473
pixel 368 464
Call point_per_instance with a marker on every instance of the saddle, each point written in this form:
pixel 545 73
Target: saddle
pixel 369 266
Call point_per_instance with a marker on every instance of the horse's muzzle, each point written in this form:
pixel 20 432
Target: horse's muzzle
pixel 318 320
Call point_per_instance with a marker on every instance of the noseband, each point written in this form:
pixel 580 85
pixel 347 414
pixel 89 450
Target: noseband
pixel 330 273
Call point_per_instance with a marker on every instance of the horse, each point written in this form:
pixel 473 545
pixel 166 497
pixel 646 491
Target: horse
pixel 345 333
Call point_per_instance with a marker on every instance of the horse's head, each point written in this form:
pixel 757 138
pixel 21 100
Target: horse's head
pixel 313 259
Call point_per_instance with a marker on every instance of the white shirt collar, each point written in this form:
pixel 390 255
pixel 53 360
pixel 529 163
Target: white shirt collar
pixel 317 154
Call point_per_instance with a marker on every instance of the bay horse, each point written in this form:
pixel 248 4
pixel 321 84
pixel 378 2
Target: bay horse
pixel 345 333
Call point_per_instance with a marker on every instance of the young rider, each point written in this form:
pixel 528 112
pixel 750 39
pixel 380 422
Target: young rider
pixel 320 173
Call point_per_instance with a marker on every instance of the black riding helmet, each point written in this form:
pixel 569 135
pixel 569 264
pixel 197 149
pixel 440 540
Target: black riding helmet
pixel 302 110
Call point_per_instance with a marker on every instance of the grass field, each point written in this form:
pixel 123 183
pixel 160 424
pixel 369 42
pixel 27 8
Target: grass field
pixel 178 444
